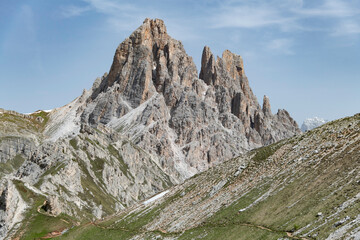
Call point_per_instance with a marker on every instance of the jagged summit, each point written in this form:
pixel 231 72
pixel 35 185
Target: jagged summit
pixel 266 106
pixel 227 75
pixel 155 95
pixel 148 62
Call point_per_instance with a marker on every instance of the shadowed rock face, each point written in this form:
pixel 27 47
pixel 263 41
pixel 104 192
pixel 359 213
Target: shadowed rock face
pixel 152 93
pixel 3 200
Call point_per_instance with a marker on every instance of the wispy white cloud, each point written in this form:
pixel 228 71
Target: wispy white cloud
pixel 107 7
pixel 283 18
pixel 287 15
pixel 346 28
pixel 118 15
pixel 111 6
pixel 330 9
pixel 245 16
pixel 121 16
pixel 73 11
pixel 281 45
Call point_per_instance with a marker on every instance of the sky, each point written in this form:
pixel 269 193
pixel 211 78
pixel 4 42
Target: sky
pixel 303 54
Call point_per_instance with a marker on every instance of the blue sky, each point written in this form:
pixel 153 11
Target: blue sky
pixel 303 54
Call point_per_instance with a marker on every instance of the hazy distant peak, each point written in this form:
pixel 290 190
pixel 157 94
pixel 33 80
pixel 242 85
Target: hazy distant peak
pixel 311 123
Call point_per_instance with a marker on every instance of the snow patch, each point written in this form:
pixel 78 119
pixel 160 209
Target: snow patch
pixel 154 198
pixel 261 198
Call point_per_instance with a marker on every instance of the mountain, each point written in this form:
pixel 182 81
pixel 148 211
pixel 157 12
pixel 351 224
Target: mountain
pixel 305 187
pixel 311 123
pixel 150 123
pixel 153 95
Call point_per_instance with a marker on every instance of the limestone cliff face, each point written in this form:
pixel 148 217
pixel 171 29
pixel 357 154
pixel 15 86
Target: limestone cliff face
pixel 153 94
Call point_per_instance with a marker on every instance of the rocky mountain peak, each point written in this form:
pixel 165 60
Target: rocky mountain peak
pixel 227 71
pixel 266 106
pixel 233 64
pixel 208 69
pixel 156 27
pixel 154 95
pixel 148 61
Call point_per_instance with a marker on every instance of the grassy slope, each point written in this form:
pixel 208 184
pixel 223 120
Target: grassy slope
pixel 10 123
pixel 11 165
pixel 13 128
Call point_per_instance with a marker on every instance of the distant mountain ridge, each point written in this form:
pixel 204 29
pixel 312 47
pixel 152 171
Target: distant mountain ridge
pixel 311 123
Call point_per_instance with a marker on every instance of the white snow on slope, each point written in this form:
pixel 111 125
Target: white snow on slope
pixel 154 198
pixel 261 198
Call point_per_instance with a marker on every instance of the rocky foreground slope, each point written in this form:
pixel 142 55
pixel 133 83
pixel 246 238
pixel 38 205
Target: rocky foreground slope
pixel 306 187
pixel 148 124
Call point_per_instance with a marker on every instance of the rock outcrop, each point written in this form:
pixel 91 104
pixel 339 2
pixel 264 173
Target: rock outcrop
pixel 12 207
